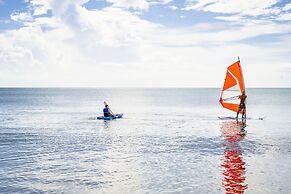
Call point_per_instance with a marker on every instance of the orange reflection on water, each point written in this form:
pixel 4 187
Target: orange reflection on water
pixel 233 164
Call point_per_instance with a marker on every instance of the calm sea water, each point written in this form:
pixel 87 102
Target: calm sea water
pixel 169 141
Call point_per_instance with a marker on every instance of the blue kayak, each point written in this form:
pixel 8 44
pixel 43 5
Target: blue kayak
pixel 117 116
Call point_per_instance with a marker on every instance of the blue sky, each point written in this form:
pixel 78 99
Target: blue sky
pixel 143 43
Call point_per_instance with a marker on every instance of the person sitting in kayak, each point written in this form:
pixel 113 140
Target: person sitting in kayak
pixel 242 105
pixel 107 111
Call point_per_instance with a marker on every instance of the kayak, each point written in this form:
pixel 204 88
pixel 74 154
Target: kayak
pixel 117 116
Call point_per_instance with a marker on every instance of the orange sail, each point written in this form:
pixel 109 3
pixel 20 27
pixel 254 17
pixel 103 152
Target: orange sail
pixel 233 87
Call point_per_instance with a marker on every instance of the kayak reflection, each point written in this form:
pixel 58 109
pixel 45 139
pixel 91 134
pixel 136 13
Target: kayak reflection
pixel 232 162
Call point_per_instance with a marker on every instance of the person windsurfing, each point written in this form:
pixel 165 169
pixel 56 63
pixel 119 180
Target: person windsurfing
pixel 107 111
pixel 242 105
pixel 233 94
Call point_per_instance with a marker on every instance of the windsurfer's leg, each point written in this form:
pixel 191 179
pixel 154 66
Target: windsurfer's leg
pixel 245 112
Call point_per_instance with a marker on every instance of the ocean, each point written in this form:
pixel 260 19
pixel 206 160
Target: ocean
pixel 169 141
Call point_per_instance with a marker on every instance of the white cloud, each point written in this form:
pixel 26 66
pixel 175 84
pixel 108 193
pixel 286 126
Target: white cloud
pixel 242 11
pixel 213 35
pixel 284 17
pixel 21 17
pixel 161 2
pixel 96 40
pixel 173 7
pixel 137 4
pixel 164 2
pixel 243 7
pixel 287 7
pixel 40 7
pixel 234 18
pixel 134 4
pixel 115 47
pixel 245 12
pixel 190 5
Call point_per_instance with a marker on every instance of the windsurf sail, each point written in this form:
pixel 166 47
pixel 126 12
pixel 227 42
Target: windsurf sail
pixel 233 87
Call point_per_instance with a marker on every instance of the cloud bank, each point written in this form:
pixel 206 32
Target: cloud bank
pixel 63 43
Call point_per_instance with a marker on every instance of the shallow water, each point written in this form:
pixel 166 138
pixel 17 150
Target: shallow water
pixel 169 141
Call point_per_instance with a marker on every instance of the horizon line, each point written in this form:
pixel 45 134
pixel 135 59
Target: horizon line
pixel 125 87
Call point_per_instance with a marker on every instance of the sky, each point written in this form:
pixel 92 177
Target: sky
pixel 143 43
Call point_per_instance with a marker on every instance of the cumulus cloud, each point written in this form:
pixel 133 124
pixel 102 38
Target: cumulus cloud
pixel 78 41
pixel 40 7
pixel 21 16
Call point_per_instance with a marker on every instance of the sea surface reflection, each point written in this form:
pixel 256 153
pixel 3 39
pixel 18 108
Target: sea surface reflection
pixel 233 164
